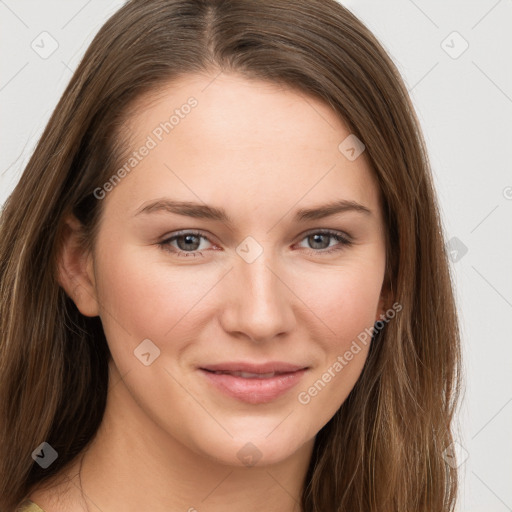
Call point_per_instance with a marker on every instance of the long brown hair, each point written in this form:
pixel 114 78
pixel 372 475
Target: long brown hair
pixel 383 448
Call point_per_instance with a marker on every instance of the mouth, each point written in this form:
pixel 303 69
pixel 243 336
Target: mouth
pixel 254 383
pixel 247 375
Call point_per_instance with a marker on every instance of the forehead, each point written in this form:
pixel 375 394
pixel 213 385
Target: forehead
pixel 227 140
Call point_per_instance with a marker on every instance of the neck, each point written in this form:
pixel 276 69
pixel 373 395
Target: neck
pixel 133 464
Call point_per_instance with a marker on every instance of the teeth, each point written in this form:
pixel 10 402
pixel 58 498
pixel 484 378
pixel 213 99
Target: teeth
pixel 254 375
pixel 247 375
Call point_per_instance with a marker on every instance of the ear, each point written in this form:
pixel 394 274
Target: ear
pixel 75 268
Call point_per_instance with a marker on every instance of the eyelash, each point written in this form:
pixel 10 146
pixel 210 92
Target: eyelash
pixel 344 242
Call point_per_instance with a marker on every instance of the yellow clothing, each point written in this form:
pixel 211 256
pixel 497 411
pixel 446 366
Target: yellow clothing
pixel 29 506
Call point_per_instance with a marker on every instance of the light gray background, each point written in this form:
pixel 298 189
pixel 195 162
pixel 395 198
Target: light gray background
pixel 465 107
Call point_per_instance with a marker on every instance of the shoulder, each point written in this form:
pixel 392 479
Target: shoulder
pixel 56 494
pixel 29 506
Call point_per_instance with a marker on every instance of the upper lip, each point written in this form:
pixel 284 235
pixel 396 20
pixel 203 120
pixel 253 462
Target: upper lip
pixel 262 368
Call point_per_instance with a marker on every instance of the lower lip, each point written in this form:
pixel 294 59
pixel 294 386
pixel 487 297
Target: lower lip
pixel 254 391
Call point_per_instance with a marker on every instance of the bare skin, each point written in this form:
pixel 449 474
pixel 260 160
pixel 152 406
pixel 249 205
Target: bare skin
pixel 170 441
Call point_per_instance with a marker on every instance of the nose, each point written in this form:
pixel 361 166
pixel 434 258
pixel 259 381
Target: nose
pixel 259 304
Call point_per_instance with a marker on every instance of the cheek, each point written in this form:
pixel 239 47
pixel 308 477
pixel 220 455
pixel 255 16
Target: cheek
pixel 142 297
pixel 344 299
pixel 346 302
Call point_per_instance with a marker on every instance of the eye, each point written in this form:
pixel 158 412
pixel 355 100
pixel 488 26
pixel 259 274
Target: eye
pixel 188 243
pixel 320 241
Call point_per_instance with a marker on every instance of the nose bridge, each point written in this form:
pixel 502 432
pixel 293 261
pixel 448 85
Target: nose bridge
pixel 260 304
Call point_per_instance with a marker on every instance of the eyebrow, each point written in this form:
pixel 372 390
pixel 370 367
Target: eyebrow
pixel 203 211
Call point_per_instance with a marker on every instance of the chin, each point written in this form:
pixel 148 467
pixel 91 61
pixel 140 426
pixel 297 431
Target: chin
pixel 256 445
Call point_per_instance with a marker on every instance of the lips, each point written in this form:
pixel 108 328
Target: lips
pixel 254 383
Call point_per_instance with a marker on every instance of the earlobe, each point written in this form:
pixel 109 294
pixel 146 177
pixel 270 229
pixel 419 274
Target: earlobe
pixel 381 311
pixel 75 270
pixel 384 302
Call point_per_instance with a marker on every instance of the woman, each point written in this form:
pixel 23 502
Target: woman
pixel 224 282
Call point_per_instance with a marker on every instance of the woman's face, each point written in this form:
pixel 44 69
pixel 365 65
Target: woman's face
pixel 217 252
